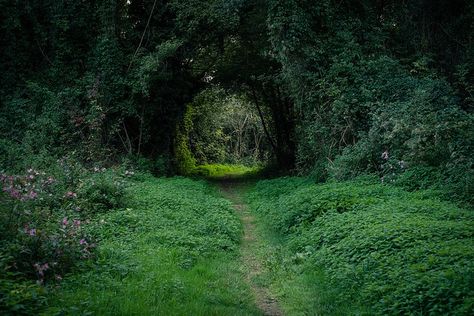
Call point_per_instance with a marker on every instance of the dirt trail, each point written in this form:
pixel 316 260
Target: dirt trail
pixel 232 190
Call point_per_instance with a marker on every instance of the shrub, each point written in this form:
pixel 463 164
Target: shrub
pixel 101 191
pixel 43 227
pixel 376 105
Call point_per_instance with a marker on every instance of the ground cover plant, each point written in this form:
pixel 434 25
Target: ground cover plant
pixel 171 251
pixel 363 247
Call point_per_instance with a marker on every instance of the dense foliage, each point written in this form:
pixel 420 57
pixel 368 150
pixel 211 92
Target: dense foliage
pixel 380 77
pixel 226 129
pixel 335 84
pixel 382 251
pixel 44 221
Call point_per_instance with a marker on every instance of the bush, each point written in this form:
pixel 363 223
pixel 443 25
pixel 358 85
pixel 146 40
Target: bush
pixel 43 227
pixel 376 105
pixel 101 191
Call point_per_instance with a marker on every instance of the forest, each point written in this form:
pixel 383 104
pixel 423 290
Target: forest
pixel 237 157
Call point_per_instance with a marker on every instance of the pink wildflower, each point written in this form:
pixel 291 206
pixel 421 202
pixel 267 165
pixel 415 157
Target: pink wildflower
pixel 83 241
pixel 77 222
pixel 65 221
pixel 15 194
pixel 71 194
pixel 41 268
pixel 32 232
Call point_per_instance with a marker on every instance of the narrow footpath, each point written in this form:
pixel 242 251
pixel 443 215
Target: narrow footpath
pixel 233 191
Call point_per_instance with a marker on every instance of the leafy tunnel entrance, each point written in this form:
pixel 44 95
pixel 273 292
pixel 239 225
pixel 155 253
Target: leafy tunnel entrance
pixel 222 132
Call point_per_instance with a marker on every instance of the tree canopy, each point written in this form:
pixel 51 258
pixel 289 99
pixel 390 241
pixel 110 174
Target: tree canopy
pixel 334 83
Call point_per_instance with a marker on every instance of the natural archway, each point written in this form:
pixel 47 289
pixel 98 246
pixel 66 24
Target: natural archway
pixel 222 128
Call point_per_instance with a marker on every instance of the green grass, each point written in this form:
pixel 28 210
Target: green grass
pixel 219 171
pixel 359 248
pixel 352 248
pixel 173 251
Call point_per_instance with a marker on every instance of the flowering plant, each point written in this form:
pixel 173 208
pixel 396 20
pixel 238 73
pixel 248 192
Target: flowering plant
pixel 40 225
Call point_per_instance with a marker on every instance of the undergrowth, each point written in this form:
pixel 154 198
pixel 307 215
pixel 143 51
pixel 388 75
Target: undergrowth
pixel 172 251
pixel 364 248
pixel 44 227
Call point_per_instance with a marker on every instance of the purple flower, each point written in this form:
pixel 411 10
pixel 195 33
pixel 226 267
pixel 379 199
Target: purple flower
pixel 15 194
pixel 77 222
pixel 32 232
pixel 71 194
pixel 40 268
pixel 83 241
pixel 65 221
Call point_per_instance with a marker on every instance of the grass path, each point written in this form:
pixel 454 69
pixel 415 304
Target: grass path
pixel 251 243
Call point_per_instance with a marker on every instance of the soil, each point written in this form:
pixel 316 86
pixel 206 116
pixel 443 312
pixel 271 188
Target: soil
pixel 266 302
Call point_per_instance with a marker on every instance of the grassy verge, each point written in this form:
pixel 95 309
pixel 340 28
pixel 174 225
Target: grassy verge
pixel 171 252
pixel 360 248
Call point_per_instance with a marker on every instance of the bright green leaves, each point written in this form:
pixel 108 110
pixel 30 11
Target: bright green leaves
pixel 379 247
